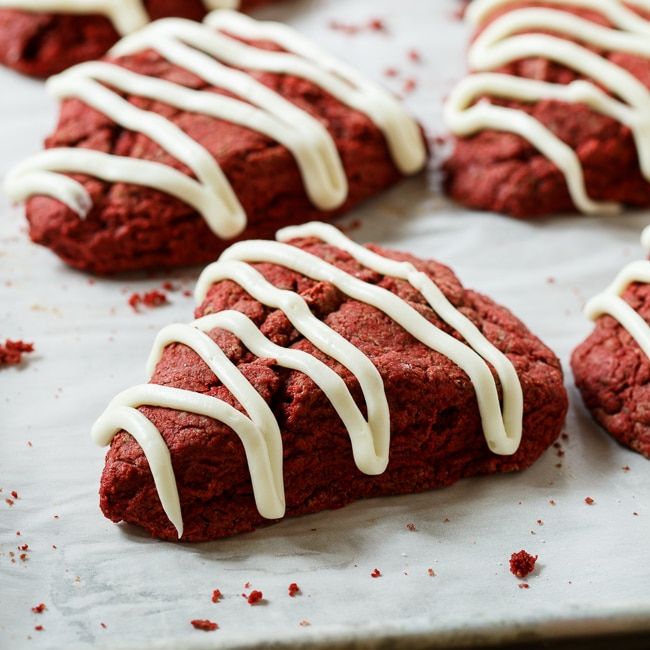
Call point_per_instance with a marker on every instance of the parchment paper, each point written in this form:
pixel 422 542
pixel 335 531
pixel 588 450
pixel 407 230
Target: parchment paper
pixel 593 571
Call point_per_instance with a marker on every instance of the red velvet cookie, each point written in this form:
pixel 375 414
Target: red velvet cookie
pixel 611 367
pixel 552 145
pixel 441 425
pixel 195 134
pixel 41 43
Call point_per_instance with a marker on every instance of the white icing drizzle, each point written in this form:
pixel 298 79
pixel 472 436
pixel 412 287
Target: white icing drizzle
pixel 126 15
pixel 208 53
pixel 258 428
pixel 611 302
pixel 502 42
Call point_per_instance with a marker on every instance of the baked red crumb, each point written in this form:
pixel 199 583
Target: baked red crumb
pixel 293 589
pixel 216 596
pixel 523 585
pixel 152 298
pixel 375 573
pixel 204 624
pixel 410 85
pixel 304 623
pixel 254 597
pixel 9 501
pixel 39 609
pixel 104 625
pixel 415 56
pixel 589 501
pixel 522 563
pixel 39 628
pixel 11 352
pixel 431 573
pixel 411 527
pixel 14 494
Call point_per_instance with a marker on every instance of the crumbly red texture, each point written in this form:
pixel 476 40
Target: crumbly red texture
pixel 522 563
pixel 11 352
pixel 216 596
pixel 503 172
pixel 293 589
pixel 132 227
pixel 41 44
pixel 375 573
pixel 613 376
pixel 204 624
pixel 254 597
pixel 437 437
pixel 152 298
pixel 39 609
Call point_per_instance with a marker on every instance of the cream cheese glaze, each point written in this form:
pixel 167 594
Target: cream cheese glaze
pixel 502 42
pixel 208 52
pixel 126 15
pixel 612 303
pixel 258 428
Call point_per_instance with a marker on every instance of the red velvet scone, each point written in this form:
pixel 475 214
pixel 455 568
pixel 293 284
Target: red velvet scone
pixel 45 40
pixel 320 372
pixel 192 134
pixel 612 367
pixel 554 116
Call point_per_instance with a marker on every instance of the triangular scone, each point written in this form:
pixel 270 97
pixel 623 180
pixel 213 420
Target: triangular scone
pixel 47 36
pixel 189 135
pixel 554 116
pixel 391 415
pixel 612 366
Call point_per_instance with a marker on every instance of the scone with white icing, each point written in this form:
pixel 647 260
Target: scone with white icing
pixel 612 366
pixel 189 135
pixel 556 113
pixel 43 37
pixel 320 372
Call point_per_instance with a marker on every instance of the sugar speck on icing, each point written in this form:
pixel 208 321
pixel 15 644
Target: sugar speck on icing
pixel 213 53
pixel 508 39
pixel 258 428
pixel 612 303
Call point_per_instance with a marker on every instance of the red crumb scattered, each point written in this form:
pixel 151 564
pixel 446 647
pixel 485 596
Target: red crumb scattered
pixel 523 585
pixel 54 546
pixel 254 597
pixel 24 547
pixel 410 85
pixel 11 352
pixel 411 527
pixel 247 585
pixel 216 596
pixel 552 502
pixel 377 25
pixel 589 501
pixel 9 501
pixel 304 623
pixel 415 56
pixel 23 557
pixel 39 628
pixel 18 533
pixel 626 468
pixel 431 573
pixel 565 436
pixel 375 573
pixel 522 563
pixel 293 589
pixel 14 494
pixel 204 624
pixel 373 25
pixel 391 72
pixel 152 298
pixel 169 286
pixel 636 514
pixel 39 609
pixel 187 293
pixel 104 625
pixel 540 522
pixel 550 280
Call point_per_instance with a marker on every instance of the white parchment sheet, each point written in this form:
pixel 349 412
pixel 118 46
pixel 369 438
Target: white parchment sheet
pixel 593 570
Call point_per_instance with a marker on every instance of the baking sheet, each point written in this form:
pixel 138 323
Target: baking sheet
pixel 593 572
